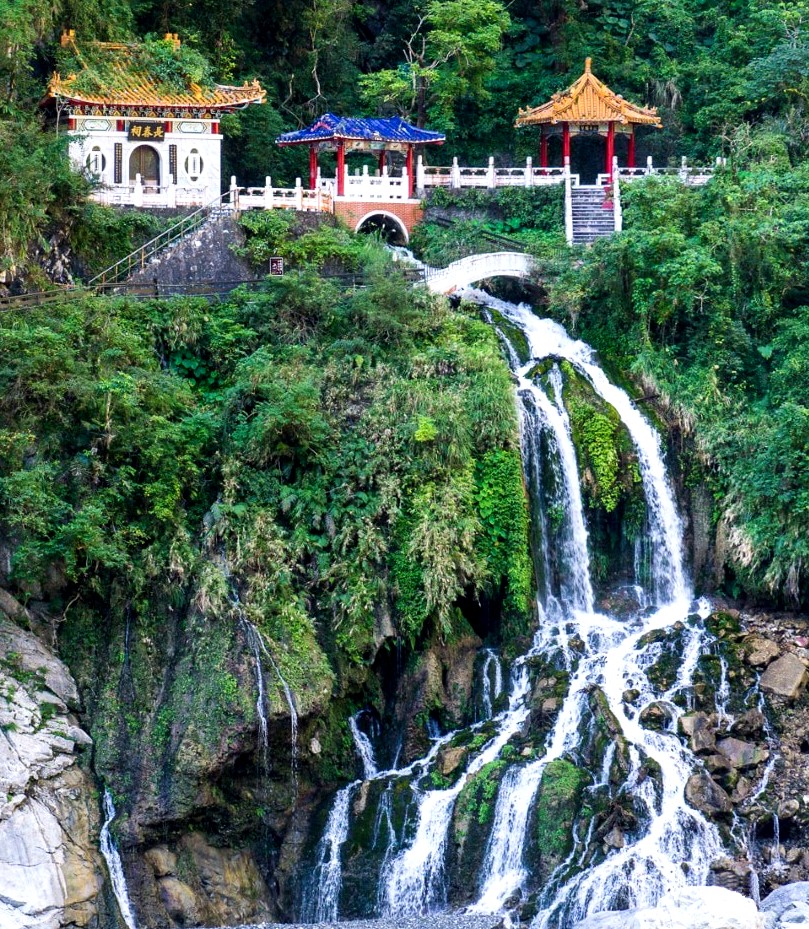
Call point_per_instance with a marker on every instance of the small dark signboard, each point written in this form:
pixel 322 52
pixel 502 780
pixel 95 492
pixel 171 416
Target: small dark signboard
pixel 152 131
pixel 276 266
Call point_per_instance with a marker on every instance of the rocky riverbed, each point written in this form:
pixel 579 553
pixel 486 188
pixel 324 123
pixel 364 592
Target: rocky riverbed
pixel 753 775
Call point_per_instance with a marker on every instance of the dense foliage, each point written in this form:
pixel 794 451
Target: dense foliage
pixel 705 300
pixel 462 67
pixel 702 301
pixel 329 453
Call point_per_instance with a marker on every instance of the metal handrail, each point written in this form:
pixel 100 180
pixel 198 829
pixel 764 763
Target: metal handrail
pixel 154 290
pixel 136 260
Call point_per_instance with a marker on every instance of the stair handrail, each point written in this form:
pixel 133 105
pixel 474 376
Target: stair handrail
pixel 618 211
pixel 568 206
pixel 136 260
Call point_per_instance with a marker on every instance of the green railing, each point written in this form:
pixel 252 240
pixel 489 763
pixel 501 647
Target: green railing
pixel 140 257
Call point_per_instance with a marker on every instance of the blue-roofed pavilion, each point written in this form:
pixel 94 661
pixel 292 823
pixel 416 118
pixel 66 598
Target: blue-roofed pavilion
pixel 343 135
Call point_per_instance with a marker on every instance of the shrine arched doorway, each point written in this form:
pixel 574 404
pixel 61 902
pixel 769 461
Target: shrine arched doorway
pixel 389 226
pixel 145 161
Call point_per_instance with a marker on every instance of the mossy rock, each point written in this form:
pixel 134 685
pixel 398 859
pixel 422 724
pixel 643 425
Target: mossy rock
pixel 471 825
pixel 606 729
pixel 557 807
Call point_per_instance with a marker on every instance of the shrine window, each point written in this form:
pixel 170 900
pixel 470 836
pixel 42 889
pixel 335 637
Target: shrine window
pixel 194 165
pixel 96 162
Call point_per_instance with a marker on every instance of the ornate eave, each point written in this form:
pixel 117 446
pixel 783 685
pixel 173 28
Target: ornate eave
pixel 135 93
pixel 588 101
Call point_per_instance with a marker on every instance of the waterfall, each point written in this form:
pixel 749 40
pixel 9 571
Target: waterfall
pixel 577 590
pixel 324 902
pixel 259 648
pixel 114 866
pixel 364 749
pixel 664 844
pixel 547 339
pixel 415 883
pixel 492 673
pixel 645 869
pixel 255 643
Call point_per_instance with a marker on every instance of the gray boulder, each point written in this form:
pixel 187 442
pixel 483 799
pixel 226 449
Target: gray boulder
pixel 687 908
pixel 706 796
pixel 785 678
pixel 788 906
pixel 742 754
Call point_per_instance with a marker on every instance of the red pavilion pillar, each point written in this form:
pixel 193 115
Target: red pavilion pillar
pixel 382 158
pixel 610 150
pixel 410 178
pixel 312 167
pixel 566 144
pixel 630 158
pixel 341 168
pixel 543 148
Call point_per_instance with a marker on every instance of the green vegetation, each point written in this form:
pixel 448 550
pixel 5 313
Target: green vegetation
pixel 533 217
pixel 704 300
pixel 335 448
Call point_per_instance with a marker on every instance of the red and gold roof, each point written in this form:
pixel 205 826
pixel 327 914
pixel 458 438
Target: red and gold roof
pixel 588 100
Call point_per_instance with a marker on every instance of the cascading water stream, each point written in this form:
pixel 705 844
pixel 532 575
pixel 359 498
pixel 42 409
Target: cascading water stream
pixel 643 870
pixel 114 866
pixel 415 883
pixel 492 674
pixel 260 651
pixel 547 339
pixel 364 749
pixel 667 843
pixel 324 900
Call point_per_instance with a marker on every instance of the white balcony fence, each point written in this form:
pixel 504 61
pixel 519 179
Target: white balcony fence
pixel 362 186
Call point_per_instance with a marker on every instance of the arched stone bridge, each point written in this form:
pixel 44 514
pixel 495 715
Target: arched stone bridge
pixel 475 268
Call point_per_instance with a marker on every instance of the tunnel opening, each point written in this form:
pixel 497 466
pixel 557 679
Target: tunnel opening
pixel 389 227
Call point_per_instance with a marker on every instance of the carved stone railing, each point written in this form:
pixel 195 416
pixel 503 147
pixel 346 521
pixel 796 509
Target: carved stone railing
pixel 457 177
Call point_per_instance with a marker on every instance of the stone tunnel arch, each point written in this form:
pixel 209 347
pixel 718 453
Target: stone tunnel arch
pixel 388 224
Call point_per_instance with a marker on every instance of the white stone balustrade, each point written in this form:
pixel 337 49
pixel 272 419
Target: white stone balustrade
pixel 363 186
pixel 456 177
pixel 474 268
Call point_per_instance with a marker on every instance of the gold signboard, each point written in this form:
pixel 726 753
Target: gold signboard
pixel 152 131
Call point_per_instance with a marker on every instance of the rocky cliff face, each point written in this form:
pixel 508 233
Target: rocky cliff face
pixel 51 874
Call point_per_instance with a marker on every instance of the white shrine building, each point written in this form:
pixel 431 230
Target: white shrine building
pixel 145 141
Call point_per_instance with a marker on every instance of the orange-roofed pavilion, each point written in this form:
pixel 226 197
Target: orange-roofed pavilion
pixel 588 107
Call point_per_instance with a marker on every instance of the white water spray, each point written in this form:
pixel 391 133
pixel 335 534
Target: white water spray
pixel 364 749
pixel 324 904
pixel 492 674
pixel 114 866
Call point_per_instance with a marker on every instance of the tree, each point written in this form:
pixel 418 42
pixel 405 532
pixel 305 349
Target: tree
pixel 449 55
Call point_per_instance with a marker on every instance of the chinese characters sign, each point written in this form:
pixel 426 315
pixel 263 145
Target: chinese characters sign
pixel 276 266
pixel 153 131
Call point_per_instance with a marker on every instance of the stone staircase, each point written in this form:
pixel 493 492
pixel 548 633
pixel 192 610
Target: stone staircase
pixel 591 219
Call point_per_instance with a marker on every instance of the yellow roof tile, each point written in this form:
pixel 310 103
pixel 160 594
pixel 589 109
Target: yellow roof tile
pixel 588 100
pixel 126 87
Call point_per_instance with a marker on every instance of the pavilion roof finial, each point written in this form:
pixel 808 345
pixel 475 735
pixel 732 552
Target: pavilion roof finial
pixel 588 101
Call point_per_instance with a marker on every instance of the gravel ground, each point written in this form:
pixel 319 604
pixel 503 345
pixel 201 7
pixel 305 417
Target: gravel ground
pixel 443 921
